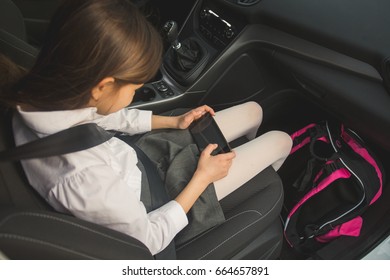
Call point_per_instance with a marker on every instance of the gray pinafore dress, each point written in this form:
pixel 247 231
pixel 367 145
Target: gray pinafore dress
pixel 175 155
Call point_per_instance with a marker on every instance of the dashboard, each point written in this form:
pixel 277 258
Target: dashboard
pixel 338 52
pixel 357 28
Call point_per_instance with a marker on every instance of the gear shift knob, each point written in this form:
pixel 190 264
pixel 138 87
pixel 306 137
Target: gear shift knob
pixel 171 30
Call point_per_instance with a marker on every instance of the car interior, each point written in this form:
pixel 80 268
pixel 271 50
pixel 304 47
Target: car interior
pixel 303 61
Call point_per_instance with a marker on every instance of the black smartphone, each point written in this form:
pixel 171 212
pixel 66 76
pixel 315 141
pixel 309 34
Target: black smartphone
pixel 206 131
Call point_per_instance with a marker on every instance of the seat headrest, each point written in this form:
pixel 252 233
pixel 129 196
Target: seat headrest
pixel 13 39
pixel 11 19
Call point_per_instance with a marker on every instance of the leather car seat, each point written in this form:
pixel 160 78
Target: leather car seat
pixel 31 229
pixel 13 39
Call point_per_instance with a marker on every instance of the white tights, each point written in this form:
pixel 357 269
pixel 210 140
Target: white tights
pixel 271 148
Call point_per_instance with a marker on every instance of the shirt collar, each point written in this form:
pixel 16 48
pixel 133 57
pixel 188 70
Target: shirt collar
pixel 50 122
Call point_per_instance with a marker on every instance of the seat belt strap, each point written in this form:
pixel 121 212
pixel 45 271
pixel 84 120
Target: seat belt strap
pixel 158 193
pixel 71 140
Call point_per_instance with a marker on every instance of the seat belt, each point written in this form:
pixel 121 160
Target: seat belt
pixel 158 194
pixel 70 140
pixel 85 136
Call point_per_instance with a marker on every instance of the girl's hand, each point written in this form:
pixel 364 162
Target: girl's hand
pixel 186 119
pixel 212 168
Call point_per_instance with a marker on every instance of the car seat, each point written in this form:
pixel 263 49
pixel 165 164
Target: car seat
pixel 13 38
pixel 31 229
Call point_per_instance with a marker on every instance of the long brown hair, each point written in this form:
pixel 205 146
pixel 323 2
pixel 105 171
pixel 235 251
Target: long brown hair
pixel 87 41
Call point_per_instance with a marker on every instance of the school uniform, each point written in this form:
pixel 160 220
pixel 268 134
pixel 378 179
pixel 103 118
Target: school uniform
pixel 101 184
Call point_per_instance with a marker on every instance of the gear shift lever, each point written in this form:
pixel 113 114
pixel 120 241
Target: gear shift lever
pixel 184 60
pixel 184 57
pixel 171 30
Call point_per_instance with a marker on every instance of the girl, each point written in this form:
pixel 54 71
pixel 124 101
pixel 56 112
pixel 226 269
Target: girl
pixel 97 53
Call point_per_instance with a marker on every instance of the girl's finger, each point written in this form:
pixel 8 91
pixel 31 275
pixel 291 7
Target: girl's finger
pixel 209 149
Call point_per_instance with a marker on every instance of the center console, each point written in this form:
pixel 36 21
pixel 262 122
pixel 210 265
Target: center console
pixel 218 30
pixel 206 33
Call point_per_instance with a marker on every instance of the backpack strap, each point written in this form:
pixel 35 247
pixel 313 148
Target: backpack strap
pixel 303 137
pixel 306 177
pixel 324 134
pixel 313 135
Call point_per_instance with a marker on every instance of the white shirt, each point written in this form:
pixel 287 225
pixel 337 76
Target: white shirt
pixel 101 184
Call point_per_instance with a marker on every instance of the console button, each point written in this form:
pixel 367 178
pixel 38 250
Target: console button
pixel 229 33
pixel 162 87
pixel 204 13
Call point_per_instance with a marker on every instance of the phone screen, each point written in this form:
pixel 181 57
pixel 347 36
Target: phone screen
pixel 206 131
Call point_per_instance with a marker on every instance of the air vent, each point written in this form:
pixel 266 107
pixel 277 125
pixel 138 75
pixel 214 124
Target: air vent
pixel 247 2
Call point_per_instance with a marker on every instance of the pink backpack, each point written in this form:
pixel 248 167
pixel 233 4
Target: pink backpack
pixel 341 180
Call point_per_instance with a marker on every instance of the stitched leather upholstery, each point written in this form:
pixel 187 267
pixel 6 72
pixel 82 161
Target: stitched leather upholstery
pixel 255 219
pixel 48 235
